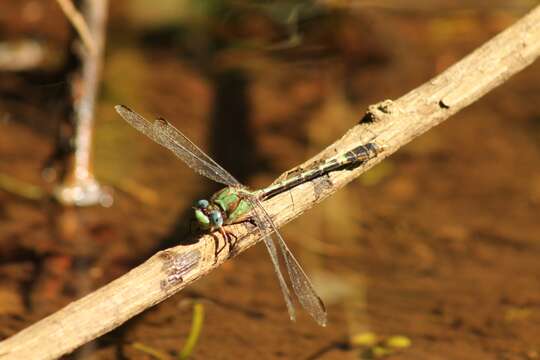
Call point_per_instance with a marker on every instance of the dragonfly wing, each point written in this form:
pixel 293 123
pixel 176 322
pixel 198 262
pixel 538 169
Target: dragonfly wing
pixel 271 247
pixel 302 286
pixel 168 136
pixel 179 144
pixel 300 282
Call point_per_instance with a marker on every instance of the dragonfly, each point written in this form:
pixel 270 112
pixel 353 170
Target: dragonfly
pixel 232 204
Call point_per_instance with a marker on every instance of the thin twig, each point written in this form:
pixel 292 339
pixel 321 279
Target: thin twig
pixel 167 272
pixel 79 186
pixel 80 25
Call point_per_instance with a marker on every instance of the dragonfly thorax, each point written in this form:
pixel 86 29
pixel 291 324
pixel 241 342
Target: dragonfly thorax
pixel 226 207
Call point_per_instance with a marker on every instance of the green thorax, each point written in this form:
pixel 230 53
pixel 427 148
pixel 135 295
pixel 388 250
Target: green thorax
pixel 232 203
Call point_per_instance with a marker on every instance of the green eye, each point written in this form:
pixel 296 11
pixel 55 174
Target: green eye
pixel 202 219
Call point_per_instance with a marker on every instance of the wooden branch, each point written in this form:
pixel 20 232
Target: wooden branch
pixel 80 25
pixel 169 271
pixel 79 187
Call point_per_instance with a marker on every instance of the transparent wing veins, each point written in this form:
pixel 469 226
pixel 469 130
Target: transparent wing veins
pixel 168 136
pixel 301 284
pixel 271 247
pixel 171 138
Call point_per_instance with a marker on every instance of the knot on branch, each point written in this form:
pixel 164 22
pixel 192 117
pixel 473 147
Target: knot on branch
pixel 379 112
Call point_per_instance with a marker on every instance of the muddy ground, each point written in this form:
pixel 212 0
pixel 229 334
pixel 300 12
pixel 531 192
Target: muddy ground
pixel 440 244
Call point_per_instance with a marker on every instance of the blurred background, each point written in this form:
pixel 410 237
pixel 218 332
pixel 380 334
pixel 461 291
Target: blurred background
pixel 433 254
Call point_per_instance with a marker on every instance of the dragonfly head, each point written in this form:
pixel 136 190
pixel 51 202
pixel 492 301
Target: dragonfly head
pixel 207 216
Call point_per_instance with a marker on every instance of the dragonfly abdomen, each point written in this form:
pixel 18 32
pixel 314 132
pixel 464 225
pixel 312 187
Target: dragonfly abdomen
pixel 355 156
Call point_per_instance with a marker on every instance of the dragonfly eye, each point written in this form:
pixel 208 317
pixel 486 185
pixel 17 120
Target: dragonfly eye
pixel 215 218
pixel 202 219
pixel 202 204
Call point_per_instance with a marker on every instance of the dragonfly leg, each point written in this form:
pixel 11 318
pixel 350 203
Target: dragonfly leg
pixel 216 247
pixel 230 240
pixel 251 221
